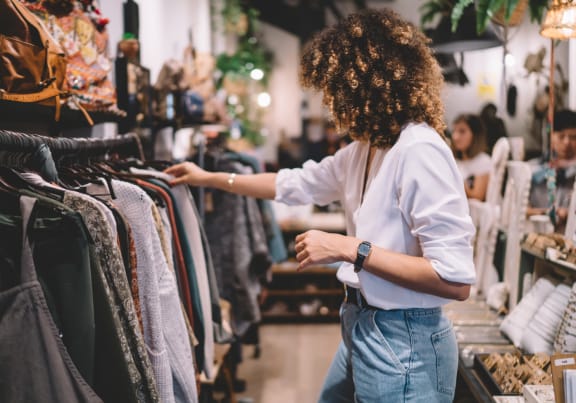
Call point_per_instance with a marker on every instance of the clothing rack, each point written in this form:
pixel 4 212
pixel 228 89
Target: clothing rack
pixel 61 146
pixel 41 153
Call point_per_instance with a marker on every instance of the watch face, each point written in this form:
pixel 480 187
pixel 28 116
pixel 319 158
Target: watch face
pixel 364 248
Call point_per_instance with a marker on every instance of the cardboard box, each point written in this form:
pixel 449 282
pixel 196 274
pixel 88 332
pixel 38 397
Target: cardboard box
pixel 539 393
pixel 558 363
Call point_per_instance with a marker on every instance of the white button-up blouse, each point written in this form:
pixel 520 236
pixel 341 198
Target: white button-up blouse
pixel 414 203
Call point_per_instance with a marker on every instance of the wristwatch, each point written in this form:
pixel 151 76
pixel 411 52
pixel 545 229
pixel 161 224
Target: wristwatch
pixel 361 254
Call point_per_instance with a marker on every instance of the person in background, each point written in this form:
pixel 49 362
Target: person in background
pixel 408 247
pixel 469 145
pixel 327 145
pixel 563 161
pixel 495 127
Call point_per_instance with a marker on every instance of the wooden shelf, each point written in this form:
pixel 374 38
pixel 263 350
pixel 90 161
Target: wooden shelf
pixel 220 351
pixel 291 317
pixel 289 268
pixel 532 251
pixel 18 116
pixel 304 293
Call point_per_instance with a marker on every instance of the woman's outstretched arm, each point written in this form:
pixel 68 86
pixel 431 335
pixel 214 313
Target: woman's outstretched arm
pixel 262 186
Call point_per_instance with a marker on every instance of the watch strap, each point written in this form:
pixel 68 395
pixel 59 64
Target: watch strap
pixel 362 253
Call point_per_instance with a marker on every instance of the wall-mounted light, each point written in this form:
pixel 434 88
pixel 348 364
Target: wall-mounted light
pixel 257 74
pixel 264 100
pixel 509 60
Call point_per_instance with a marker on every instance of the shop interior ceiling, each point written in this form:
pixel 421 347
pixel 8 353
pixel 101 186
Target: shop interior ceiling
pixel 305 17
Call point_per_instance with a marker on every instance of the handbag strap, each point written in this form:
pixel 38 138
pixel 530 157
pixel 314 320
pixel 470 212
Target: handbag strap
pixel 46 93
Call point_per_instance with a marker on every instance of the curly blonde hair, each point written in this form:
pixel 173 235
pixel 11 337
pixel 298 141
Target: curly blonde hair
pixel 377 73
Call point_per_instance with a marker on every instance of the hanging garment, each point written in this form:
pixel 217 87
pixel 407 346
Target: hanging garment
pixel 165 331
pixel 41 354
pixel 117 306
pixel 188 284
pixel 235 226
pixel 115 379
pixel 276 243
pixel 62 260
pixel 191 226
pixel 94 215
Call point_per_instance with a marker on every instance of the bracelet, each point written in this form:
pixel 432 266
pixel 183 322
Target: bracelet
pixel 231 179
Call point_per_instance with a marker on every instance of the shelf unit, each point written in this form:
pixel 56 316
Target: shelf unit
pixel 313 295
pixel 39 119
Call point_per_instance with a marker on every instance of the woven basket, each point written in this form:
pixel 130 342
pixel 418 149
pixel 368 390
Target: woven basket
pixel 516 17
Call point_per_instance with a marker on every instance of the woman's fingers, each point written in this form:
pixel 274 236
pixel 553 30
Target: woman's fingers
pixel 185 173
pixel 300 237
pixel 178 181
pixel 303 264
pixel 176 170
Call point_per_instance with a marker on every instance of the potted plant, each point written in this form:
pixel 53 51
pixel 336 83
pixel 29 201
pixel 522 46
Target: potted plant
pixel 502 12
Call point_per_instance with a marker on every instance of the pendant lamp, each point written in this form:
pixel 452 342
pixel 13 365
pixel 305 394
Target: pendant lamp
pixel 465 38
pixel 560 21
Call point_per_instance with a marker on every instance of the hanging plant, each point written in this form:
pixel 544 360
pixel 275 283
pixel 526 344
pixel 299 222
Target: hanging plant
pixel 245 73
pixel 249 56
pixel 502 12
pixel 235 19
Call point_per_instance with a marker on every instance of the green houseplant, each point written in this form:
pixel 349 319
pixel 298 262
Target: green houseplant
pixel 503 12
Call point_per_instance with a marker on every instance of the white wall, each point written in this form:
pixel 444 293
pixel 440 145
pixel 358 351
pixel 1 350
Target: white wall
pixel 164 27
pixel 283 115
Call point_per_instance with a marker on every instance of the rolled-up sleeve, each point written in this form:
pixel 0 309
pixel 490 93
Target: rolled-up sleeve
pixel 433 202
pixel 315 183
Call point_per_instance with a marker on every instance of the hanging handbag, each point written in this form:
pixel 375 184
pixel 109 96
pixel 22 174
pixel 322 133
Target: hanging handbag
pixel 32 63
pixel 85 41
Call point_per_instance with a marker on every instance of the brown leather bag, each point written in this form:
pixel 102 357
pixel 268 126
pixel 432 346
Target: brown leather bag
pixel 32 63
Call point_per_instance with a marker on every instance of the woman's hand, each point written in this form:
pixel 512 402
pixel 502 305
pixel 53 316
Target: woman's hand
pixel 313 247
pixel 189 173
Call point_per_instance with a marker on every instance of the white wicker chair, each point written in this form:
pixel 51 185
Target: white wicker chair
pixel 500 154
pixel 513 221
pixel 570 232
pixel 486 215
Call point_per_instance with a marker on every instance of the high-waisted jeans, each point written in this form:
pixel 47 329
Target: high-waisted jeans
pixel 403 355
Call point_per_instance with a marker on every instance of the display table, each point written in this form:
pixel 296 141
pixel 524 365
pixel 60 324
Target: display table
pixel 536 263
pixel 477 332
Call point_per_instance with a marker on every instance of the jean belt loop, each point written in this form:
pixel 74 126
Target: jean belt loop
pixel 359 298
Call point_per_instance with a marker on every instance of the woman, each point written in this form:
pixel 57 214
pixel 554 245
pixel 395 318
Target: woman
pixel 468 145
pixel 563 162
pixel 408 245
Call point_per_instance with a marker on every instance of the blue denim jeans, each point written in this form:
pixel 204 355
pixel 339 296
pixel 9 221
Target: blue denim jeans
pixel 403 355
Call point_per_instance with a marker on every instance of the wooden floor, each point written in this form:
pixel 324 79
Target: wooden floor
pixel 293 362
